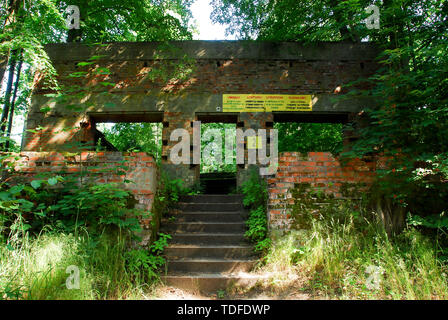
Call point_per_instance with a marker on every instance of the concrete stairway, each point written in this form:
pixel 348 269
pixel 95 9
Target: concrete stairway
pixel 208 251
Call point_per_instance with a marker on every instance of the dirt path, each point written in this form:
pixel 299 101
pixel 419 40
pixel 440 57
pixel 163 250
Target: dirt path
pixel 293 291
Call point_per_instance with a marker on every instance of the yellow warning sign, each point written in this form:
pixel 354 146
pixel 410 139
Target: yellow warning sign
pixel 254 142
pixel 265 102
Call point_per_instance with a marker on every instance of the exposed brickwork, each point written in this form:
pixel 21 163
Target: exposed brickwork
pixel 220 76
pixel 97 167
pixel 172 121
pixel 319 169
pixel 144 81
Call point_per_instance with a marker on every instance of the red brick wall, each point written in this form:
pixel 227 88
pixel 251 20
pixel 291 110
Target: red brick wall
pixel 98 167
pixel 321 170
pixel 220 76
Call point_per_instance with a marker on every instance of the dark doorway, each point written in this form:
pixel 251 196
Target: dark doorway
pixel 218 170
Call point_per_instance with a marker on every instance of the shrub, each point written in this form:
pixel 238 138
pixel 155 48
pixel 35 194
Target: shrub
pixel 255 198
pixel 344 254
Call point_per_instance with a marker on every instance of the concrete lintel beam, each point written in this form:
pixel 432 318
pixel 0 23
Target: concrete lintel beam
pixel 197 49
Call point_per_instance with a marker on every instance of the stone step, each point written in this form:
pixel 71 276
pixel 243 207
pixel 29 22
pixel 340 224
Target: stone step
pixel 212 198
pixel 209 265
pixel 209 217
pixel 209 238
pixel 210 282
pixel 208 227
pixel 207 207
pixel 208 251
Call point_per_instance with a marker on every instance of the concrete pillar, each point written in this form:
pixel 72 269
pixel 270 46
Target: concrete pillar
pixel 252 120
pixel 188 173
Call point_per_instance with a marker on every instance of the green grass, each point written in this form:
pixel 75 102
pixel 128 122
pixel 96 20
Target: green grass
pixel 35 268
pixel 335 253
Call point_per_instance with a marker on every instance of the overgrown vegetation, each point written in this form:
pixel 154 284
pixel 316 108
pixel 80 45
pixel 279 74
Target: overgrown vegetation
pixel 50 224
pixel 255 198
pixel 47 225
pixel 36 267
pixel 340 251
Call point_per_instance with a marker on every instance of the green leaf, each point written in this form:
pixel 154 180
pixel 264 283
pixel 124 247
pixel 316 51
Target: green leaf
pixel 82 64
pixel 5 196
pixel 36 184
pixel 52 181
pixel 16 189
pixel 105 83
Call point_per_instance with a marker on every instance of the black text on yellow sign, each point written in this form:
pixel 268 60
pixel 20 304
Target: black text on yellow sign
pixel 265 102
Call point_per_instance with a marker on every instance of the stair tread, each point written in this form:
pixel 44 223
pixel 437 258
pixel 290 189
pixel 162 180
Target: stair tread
pixel 218 246
pixel 210 234
pixel 199 253
pixel 207 222
pixel 208 212
pixel 211 260
pixel 213 275
pixel 214 203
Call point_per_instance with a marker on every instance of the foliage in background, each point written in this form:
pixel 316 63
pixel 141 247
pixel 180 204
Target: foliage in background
pixel 136 137
pixel 210 164
pixel 255 198
pixel 307 137
pixel 138 20
pixel 291 20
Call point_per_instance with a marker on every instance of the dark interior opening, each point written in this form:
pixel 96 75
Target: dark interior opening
pixel 218 182
pixel 217 178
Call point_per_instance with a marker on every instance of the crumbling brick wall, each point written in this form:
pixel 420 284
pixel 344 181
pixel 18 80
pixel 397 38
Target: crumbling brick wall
pixel 96 167
pixel 321 170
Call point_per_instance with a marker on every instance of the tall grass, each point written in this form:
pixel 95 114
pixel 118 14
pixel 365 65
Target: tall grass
pixel 35 268
pixel 341 255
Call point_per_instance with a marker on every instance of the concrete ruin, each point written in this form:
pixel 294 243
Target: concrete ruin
pixel 177 83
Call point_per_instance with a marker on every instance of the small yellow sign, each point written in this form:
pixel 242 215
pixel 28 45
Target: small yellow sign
pixel 265 102
pixel 254 142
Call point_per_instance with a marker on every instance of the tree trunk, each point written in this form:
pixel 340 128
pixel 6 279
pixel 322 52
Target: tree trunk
pixel 5 111
pixel 3 64
pixel 14 97
pixel 392 216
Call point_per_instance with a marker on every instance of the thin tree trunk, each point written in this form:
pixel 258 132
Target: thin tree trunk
pixel 13 102
pixel 3 64
pixel 5 111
